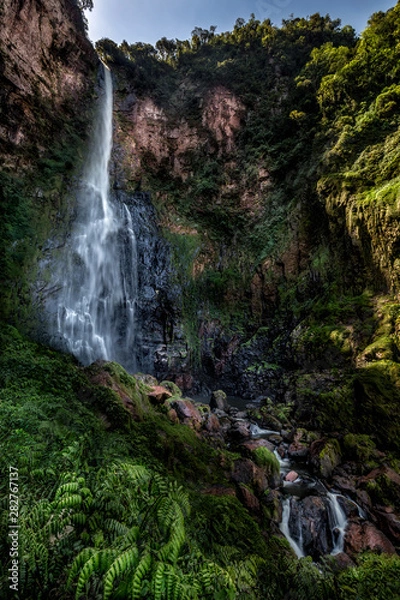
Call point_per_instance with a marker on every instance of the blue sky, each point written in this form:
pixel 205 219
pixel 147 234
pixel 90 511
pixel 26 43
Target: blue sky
pixel 149 20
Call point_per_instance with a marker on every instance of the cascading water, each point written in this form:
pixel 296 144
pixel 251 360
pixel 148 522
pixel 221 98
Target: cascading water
pixel 338 523
pixel 97 304
pixel 295 539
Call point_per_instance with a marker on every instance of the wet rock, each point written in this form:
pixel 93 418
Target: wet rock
pixel 188 413
pixel 246 472
pixel 219 400
pixel 240 430
pixel 287 435
pixel 249 447
pixel 325 456
pixel 311 516
pixel 298 451
pixel 365 536
pixel 292 476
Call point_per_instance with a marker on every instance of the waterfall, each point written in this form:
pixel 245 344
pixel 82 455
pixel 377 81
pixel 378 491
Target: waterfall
pixel 96 316
pixel 296 544
pixel 338 522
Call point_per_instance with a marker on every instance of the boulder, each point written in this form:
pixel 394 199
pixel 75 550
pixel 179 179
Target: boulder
pixel 365 536
pixel 158 394
pixel 291 476
pixel 218 400
pixel 251 445
pixel 187 413
pixel 240 430
pixel 325 456
pixel 248 499
pixel 311 516
pixel 212 424
pixel 389 522
pixel 246 472
pixel 298 451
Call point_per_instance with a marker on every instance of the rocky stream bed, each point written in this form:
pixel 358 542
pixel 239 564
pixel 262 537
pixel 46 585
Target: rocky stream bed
pixel 319 500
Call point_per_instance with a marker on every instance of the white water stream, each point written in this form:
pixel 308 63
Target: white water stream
pixel 97 305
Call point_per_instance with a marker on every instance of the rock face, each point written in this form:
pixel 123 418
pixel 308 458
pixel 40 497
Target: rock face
pixel 46 68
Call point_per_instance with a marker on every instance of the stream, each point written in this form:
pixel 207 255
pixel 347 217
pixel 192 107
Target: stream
pixel 314 519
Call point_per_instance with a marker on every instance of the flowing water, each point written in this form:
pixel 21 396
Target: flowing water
pixel 96 315
pixel 308 505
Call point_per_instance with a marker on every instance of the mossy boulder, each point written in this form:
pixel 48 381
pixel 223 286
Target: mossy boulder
pixel 325 456
pixel 116 394
pixel 219 400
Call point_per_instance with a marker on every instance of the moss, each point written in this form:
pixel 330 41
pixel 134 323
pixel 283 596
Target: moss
pixel 377 401
pixel 358 447
pixel 266 459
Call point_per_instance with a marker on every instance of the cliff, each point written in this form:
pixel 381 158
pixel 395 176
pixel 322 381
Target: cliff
pixel 45 73
pixel 47 84
pixel 275 210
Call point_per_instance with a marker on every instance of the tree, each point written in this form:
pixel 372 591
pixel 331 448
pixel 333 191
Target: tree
pixel 85 4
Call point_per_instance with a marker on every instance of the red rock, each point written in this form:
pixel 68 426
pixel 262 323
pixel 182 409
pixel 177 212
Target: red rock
pixel 365 536
pixel 188 413
pixel 246 472
pixel 248 499
pixel 292 476
pixel 212 423
pixel 252 445
pixel 159 394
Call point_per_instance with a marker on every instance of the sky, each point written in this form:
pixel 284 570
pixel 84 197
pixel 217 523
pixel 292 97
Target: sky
pixel 149 20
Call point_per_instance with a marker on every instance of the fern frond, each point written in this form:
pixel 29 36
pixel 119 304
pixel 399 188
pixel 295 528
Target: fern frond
pixel 125 562
pixel 67 488
pixel 159 581
pixel 96 565
pixel 116 528
pixel 141 571
pixel 78 563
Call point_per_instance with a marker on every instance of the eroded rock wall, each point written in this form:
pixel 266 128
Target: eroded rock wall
pixel 46 72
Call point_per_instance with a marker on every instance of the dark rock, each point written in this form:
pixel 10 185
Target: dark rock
pixel 240 430
pixel 298 451
pixel 248 499
pixel 389 522
pixel 188 413
pixel 311 515
pixel 218 400
pixel 365 536
pixel 325 456
pixel 246 472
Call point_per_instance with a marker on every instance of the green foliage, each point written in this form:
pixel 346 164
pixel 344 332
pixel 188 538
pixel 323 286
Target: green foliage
pixel 374 578
pixel 359 447
pixel 267 459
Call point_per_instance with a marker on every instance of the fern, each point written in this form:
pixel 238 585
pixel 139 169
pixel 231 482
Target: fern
pixel 141 571
pixel 159 581
pixel 78 563
pixel 123 563
pixel 97 564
